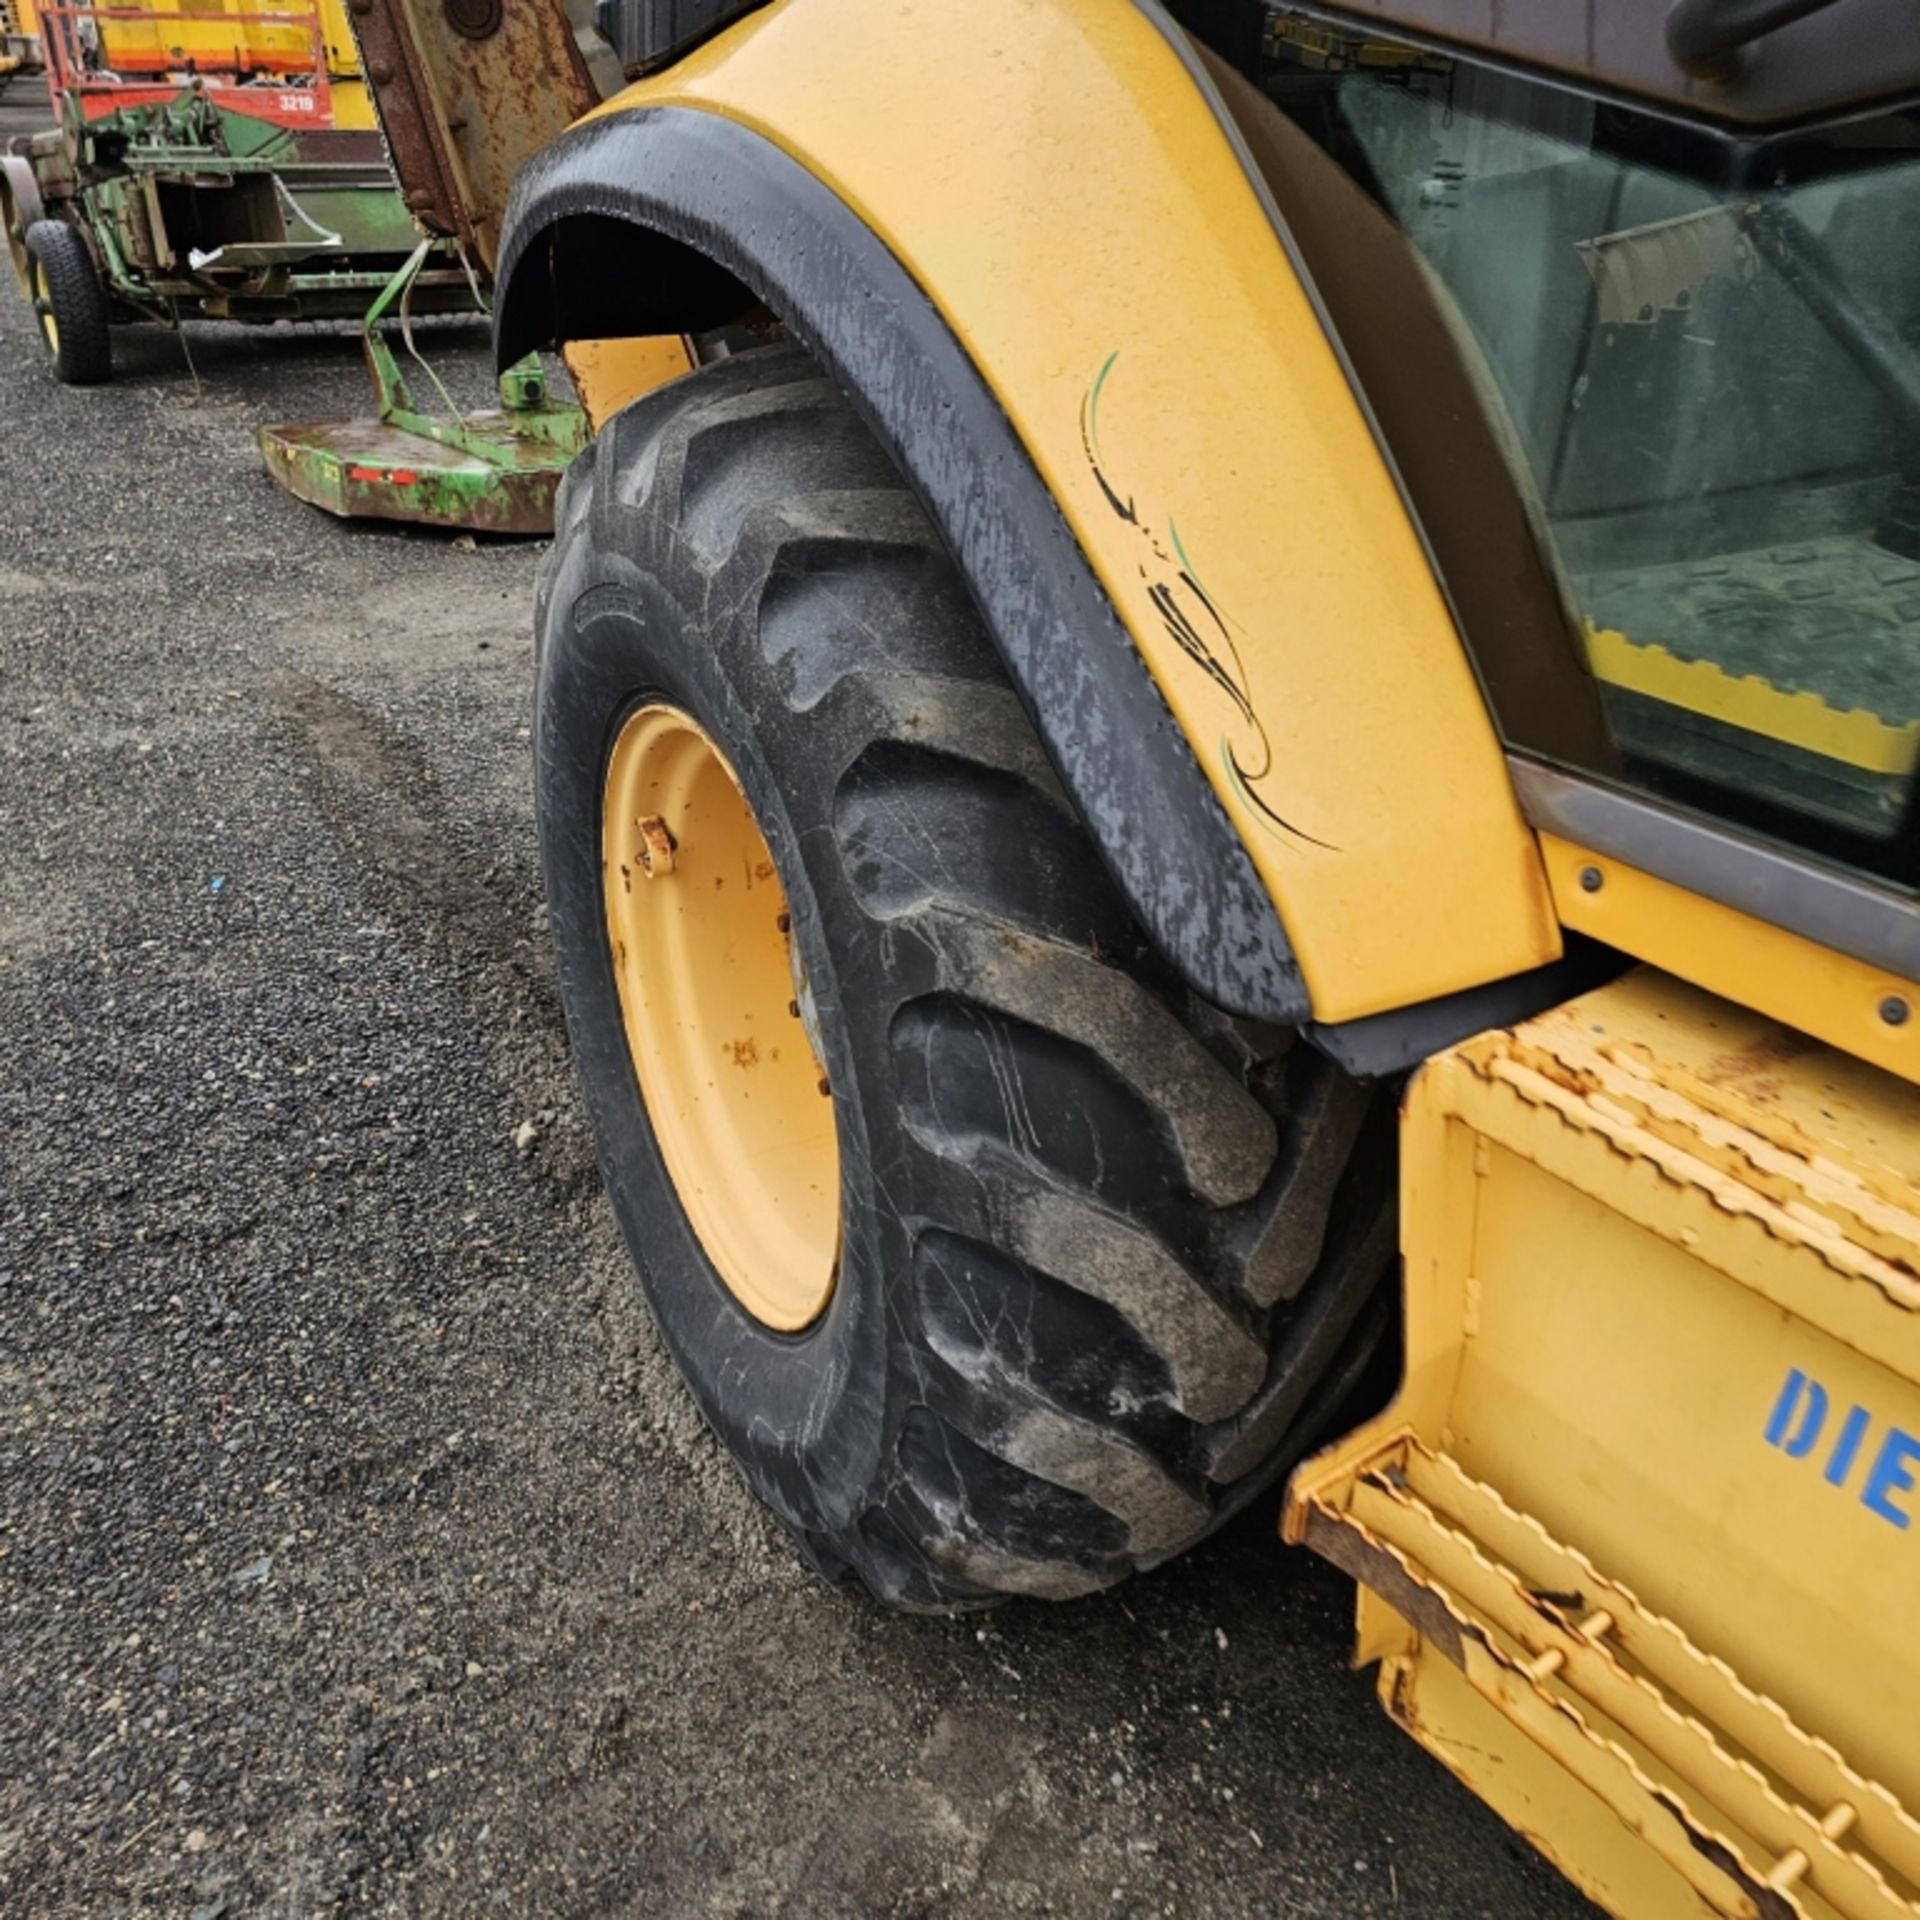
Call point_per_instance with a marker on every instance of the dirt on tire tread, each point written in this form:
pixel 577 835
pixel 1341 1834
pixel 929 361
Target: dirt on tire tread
pixel 1080 1157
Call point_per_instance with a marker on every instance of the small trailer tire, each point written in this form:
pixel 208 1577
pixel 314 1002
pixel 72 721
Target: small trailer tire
pixel 69 303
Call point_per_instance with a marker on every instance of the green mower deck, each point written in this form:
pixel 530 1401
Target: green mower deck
pixel 495 471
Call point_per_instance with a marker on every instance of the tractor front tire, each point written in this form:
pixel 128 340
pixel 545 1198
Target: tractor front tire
pixel 1105 1261
pixel 69 303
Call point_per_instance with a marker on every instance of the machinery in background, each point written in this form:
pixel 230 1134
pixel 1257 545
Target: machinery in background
pixel 19 36
pixel 218 165
pixel 492 471
pixel 496 471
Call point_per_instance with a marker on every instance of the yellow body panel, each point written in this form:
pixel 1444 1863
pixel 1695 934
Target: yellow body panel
pixel 1571 1824
pixel 608 374
pixel 1827 994
pixel 352 103
pixel 222 32
pixel 343 54
pixel 1639 1536
pixel 1055 181
pixel 276 46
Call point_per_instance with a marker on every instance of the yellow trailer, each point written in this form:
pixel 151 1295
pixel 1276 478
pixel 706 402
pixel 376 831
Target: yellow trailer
pixel 1226 748
pixel 140 39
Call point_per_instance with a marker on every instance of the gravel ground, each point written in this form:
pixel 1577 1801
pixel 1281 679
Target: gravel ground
pixel 358 1548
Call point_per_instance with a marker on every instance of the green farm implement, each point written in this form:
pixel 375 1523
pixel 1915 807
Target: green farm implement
pixel 495 471
pixel 221 187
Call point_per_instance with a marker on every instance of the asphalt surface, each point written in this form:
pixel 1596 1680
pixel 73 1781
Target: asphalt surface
pixel 358 1547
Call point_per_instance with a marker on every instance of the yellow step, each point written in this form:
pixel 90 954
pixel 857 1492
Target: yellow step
pixel 1639 1541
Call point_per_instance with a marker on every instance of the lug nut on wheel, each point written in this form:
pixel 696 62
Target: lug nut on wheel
pixel 656 846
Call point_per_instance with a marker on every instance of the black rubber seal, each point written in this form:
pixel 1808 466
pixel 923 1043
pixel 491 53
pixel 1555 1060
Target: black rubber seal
pixel 1390 1043
pixel 752 217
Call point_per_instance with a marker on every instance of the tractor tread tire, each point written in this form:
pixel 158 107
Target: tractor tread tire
pixel 84 356
pixel 1113 1290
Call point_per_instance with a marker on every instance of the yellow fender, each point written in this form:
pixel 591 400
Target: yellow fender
pixel 1023 238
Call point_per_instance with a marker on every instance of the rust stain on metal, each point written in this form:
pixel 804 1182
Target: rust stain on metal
pixel 656 846
pixel 1564 1607
pixel 1355 1552
pixel 1766 1903
pixel 1686 1131
pixel 467 94
pixel 1400 1699
pixel 1777 1049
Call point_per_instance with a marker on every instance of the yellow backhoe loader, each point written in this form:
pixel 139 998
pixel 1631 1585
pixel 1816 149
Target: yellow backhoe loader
pixel 1225 746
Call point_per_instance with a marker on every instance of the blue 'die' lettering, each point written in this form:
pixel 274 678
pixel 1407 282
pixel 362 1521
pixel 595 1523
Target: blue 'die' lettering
pixel 1847 1448
pixel 1809 1399
pixel 1797 1423
pixel 1892 1473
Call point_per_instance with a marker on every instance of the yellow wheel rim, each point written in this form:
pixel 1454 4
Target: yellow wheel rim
pixel 717 1016
pixel 43 307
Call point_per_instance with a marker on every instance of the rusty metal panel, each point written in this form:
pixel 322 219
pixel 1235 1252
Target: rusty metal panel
pixel 373 470
pixel 467 92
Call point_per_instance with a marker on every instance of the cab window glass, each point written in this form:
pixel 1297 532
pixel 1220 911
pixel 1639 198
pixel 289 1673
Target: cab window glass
pixel 1706 359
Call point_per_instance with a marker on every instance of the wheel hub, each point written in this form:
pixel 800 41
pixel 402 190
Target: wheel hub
pixel 43 308
pixel 718 1016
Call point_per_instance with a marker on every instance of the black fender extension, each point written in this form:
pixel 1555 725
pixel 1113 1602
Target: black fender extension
pixel 674 220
